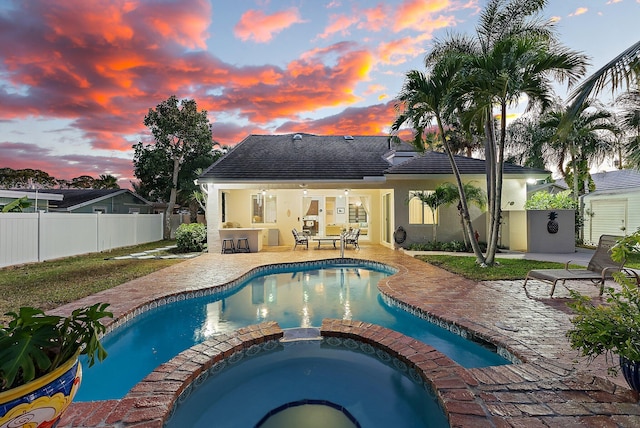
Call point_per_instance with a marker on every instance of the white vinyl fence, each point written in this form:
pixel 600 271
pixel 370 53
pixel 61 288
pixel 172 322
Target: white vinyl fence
pixel 36 237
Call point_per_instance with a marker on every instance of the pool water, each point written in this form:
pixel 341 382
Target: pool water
pixel 300 298
pixel 373 393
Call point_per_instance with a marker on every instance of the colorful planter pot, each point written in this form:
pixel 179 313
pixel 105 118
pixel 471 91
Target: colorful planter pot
pixel 41 402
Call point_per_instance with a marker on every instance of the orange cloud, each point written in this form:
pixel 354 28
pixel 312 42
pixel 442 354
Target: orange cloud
pixel 338 24
pixel 372 89
pixel 370 120
pixel 417 15
pixel 398 51
pixel 88 21
pixel 376 18
pixel 307 84
pixel 257 26
pixel 579 11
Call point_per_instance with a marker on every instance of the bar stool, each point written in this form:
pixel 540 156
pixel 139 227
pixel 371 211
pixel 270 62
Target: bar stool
pixel 243 246
pixel 228 246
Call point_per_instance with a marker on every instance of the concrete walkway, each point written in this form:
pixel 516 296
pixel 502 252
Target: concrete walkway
pixel 552 386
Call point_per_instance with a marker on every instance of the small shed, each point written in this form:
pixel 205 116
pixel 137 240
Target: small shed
pixel 614 207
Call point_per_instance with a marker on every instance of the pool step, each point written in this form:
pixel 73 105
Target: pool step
pixel 294 334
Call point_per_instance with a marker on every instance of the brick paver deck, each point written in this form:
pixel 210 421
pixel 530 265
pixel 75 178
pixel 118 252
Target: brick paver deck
pixel 552 386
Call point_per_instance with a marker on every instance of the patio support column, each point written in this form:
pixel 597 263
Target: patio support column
pixel 213 219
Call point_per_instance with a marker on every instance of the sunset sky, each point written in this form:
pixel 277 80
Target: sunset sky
pixel 78 76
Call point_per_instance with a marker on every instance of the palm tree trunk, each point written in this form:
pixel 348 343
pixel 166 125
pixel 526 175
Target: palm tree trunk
pixel 468 229
pixel 496 215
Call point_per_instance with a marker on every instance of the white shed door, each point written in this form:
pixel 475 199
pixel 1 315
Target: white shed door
pixel 609 219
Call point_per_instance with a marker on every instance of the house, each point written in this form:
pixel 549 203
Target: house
pixel 323 184
pixel 107 201
pixel 614 207
pixel 39 200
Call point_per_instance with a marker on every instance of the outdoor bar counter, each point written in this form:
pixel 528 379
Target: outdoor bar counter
pixel 253 234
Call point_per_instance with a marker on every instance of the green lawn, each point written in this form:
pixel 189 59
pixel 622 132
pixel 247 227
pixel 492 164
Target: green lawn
pixel 50 284
pixel 505 269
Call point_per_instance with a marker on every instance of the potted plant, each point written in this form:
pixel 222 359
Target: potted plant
pixel 612 329
pixel 39 368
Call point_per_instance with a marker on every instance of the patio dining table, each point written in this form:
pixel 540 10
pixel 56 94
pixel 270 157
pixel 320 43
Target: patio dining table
pixel 327 240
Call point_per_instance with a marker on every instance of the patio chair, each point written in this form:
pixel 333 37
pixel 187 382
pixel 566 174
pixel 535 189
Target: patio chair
pixel 300 239
pixel 600 268
pixel 352 238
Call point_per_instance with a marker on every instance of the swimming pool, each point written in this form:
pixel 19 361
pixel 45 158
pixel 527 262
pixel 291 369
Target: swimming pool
pixel 370 387
pixel 293 297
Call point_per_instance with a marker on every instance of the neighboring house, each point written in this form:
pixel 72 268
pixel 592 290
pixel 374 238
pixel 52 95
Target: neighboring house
pixel 324 184
pixel 40 200
pixel 107 201
pixel 614 207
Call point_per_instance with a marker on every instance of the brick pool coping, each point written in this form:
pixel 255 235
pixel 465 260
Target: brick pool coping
pixel 152 401
pixel 538 392
pixel 468 397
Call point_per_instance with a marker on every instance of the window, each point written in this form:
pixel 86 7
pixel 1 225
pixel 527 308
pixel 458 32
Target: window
pixel 100 209
pixel 263 208
pixel 357 212
pixel 419 212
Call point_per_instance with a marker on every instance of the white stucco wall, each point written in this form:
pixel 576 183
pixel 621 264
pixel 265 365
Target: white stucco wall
pixel 614 213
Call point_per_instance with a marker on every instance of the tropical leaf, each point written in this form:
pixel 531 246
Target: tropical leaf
pixel 618 72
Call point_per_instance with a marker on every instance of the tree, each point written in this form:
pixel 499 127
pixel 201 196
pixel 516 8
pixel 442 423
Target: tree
pixel 475 196
pixel 514 54
pixel 106 182
pixel 583 142
pixel 82 182
pixel 25 179
pixel 425 98
pixel 182 139
pixel 447 194
pixel 621 71
pixel 527 141
pixel 441 195
pixel 629 122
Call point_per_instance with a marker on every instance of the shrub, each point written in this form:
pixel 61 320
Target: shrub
pixel 548 201
pixel 191 237
pixel 453 246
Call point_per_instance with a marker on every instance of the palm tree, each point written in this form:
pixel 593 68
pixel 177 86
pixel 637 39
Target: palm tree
pixel 475 196
pixel 424 98
pixel 584 142
pixel 623 70
pixel 106 181
pixel 514 54
pixel 527 142
pixel 444 194
pixel 629 122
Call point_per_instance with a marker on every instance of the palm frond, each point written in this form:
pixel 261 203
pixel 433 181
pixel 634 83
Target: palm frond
pixel 618 72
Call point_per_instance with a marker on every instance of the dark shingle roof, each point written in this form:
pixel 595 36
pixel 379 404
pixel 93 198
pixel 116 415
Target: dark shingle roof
pixel 613 180
pixel 74 197
pixel 312 157
pixel 438 163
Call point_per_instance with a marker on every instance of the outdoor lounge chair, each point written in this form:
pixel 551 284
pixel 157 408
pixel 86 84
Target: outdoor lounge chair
pixel 352 238
pixel 600 268
pixel 300 239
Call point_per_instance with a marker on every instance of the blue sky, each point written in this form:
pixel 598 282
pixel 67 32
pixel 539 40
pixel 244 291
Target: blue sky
pixel 78 76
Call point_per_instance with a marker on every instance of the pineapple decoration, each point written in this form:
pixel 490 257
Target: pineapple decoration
pixel 552 224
